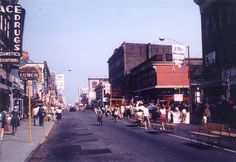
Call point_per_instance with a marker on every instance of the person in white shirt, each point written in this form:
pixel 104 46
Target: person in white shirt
pixel 59 114
pixel 146 117
pixel 35 115
pixel 184 115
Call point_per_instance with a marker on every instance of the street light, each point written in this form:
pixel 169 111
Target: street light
pixel 189 74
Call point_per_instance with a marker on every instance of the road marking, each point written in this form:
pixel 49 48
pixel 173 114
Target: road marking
pixel 214 146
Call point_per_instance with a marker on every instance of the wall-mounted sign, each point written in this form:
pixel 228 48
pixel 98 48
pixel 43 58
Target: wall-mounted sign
pixel 178 97
pixel 14 13
pixel 46 75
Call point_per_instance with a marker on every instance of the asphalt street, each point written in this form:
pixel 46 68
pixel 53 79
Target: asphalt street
pixel 78 138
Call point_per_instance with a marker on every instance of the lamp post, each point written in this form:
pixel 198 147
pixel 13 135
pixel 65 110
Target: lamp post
pixel 189 74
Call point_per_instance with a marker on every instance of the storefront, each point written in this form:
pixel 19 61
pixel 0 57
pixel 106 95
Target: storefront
pixel 4 99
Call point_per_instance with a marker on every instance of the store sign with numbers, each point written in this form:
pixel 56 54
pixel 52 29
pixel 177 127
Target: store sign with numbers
pixel 178 52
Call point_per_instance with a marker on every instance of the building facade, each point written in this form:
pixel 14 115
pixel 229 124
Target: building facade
pixel 156 79
pixel 12 92
pixel 93 82
pixel 218 25
pixel 125 58
pixel 83 96
pixel 103 92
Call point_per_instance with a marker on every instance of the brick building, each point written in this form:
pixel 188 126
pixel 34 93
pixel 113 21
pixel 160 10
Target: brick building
pixel 218 23
pixel 158 78
pixel 128 56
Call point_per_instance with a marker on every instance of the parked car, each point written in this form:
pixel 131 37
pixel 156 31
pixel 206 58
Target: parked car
pixel 72 109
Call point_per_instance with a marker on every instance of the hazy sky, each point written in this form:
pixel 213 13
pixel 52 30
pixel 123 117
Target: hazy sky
pixel 81 35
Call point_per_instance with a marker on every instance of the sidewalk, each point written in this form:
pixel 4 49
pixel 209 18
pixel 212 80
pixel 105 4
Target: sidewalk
pixel 17 148
pixel 183 130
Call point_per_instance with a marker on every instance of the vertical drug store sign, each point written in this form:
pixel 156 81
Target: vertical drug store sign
pixel 12 18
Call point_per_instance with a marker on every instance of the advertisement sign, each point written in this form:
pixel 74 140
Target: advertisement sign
pixel 28 73
pixel 14 13
pixel 178 97
pixel 46 75
pixel 178 52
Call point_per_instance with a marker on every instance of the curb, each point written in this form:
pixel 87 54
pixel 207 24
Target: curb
pixel 46 135
pixel 40 142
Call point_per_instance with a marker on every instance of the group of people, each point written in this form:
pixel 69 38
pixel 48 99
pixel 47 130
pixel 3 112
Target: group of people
pixel 40 113
pixel 171 113
pixel 142 113
pixel 14 121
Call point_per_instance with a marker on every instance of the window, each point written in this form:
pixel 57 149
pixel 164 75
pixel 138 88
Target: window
pixel 159 58
pixel 206 26
pixel 168 57
pixel 1 22
pixel 220 19
pixel 94 84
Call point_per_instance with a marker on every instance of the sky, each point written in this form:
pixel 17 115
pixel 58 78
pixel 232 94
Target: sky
pixel 81 35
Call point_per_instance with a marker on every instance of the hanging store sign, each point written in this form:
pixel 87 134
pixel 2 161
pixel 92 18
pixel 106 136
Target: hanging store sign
pixel 28 73
pixel 15 20
pixel 178 52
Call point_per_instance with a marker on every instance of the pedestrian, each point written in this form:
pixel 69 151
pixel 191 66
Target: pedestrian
pixel 59 114
pixel 99 117
pixel 41 114
pixel 139 117
pixel 4 123
pixel 162 117
pixel 184 115
pixel 15 120
pixel 35 115
pixel 116 114
pixel 146 117
pixel 207 113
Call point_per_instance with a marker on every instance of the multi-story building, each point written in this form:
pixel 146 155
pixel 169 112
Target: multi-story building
pixel 83 96
pixel 158 78
pixel 11 32
pixel 103 92
pixel 93 82
pixel 218 25
pixel 128 56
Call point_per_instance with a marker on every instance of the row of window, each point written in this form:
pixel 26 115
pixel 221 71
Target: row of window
pixel 5 25
pixel 146 79
pixel 218 20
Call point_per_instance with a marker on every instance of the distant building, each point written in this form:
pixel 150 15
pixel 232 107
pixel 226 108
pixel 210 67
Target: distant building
pixel 128 56
pixel 93 82
pixel 103 92
pixel 83 96
pixel 218 23
pixel 60 82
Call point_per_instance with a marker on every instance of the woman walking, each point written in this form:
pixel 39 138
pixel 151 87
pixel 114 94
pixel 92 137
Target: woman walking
pixel 4 123
pixel 15 121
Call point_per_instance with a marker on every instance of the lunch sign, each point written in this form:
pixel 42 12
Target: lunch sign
pixel 30 73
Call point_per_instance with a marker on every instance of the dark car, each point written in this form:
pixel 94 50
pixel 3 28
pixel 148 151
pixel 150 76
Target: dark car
pixel 72 109
pixel 154 112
